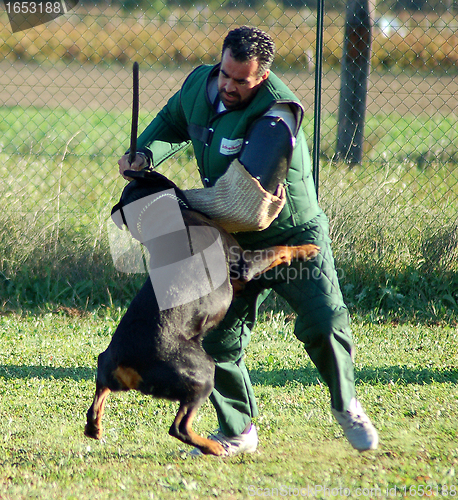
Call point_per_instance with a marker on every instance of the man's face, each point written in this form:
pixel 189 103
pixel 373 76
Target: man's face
pixel 238 81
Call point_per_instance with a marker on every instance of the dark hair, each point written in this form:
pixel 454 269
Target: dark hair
pixel 247 43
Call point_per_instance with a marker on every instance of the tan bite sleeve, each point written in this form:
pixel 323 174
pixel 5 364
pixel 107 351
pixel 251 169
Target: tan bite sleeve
pixel 237 201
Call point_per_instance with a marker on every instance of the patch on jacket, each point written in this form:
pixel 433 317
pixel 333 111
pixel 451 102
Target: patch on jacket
pixel 230 146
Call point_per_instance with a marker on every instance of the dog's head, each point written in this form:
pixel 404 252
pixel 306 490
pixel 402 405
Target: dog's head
pixel 144 183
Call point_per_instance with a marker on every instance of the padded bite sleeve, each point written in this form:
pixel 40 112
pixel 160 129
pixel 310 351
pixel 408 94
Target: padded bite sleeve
pixel 238 201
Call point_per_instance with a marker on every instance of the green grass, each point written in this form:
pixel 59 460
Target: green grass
pixel 406 378
pixel 393 222
pixel 60 181
pixel 394 231
pixel 393 226
pixel 399 139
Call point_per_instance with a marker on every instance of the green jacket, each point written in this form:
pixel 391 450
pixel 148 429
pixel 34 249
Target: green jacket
pixel 217 137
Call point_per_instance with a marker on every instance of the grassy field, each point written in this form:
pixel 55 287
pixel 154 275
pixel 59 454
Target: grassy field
pixel 394 230
pixel 406 378
pixel 393 223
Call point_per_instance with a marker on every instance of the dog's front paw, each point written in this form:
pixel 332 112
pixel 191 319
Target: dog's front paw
pixel 306 252
pixel 92 430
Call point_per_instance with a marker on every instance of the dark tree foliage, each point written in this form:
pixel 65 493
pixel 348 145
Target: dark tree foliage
pixel 396 6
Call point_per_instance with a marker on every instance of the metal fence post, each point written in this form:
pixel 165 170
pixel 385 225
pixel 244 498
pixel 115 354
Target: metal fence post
pixel 317 105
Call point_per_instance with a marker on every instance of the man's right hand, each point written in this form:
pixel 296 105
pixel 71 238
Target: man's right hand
pixel 138 164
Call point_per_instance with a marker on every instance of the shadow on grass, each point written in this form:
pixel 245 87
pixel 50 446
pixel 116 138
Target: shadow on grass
pixel 46 372
pixel 406 375
pixel 381 375
pixel 274 377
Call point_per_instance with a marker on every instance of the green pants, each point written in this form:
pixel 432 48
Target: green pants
pixel 322 324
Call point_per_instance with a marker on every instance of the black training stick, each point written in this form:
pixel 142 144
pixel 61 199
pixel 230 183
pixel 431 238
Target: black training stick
pixel 134 129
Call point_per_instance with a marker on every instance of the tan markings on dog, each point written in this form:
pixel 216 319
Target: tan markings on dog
pixel 128 377
pixel 93 428
pixel 182 429
pixel 302 252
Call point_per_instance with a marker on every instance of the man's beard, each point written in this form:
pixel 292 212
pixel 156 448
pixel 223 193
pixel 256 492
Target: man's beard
pixel 231 105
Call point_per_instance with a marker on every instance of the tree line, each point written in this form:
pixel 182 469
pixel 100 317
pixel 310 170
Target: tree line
pixel 395 6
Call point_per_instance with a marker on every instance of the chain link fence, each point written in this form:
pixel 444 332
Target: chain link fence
pixel 65 89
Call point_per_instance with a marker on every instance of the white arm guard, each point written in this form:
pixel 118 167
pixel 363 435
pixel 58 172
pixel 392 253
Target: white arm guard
pixel 237 201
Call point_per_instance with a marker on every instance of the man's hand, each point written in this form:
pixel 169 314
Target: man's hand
pixel 139 163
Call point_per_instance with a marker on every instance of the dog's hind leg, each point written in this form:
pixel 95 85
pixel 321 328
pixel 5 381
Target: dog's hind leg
pixel 182 425
pixel 182 430
pixel 93 427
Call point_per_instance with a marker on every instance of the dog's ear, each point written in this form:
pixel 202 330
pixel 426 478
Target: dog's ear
pixel 149 182
pixel 117 215
pixel 135 190
pixel 143 183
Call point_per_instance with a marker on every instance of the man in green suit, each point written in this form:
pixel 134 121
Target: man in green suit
pixel 245 126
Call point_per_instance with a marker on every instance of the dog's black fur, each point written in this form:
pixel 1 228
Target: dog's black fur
pixel 160 352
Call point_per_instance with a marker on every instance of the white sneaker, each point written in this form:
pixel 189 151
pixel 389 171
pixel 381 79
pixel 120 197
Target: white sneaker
pixel 357 427
pixel 243 443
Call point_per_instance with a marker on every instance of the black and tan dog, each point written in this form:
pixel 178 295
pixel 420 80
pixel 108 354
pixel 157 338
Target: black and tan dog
pixel 159 352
